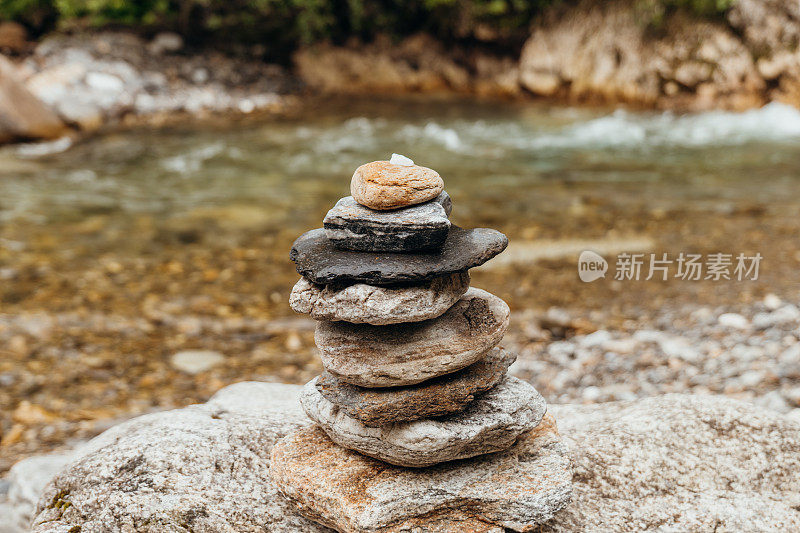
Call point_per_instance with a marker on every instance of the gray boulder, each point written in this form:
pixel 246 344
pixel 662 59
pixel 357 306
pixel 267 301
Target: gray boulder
pixel 203 468
pixel 681 463
pixel 669 463
pixel 22 115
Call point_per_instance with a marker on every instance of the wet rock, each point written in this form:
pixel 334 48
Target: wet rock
pixel 318 260
pixel 351 226
pixel 81 113
pixel 418 63
pixel 489 424
pixel 361 303
pixel 733 320
pixel 22 115
pixel 405 354
pixel 196 361
pixel 602 50
pixel 440 396
pixel 165 42
pixel 382 185
pixel 13 37
pixel 516 489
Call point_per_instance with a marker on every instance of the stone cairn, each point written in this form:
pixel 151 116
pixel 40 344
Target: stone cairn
pixel 418 427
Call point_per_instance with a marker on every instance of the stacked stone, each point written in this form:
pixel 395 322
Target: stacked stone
pixel 413 374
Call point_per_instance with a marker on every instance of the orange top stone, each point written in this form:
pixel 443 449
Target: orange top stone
pixel 382 185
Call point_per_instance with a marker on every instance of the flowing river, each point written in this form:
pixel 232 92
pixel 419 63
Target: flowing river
pixel 121 250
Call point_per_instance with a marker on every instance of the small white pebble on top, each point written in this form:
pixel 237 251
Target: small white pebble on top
pixel 398 159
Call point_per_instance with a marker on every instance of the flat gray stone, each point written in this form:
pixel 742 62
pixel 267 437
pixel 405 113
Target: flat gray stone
pixel 440 396
pixel 362 303
pixel 517 488
pixel 489 424
pixel 318 260
pixel 351 226
pixel 405 354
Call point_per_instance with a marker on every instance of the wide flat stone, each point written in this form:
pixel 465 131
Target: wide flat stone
pixel 362 303
pixel 517 489
pixel 436 397
pixel 489 424
pixel 405 354
pixel 351 226
pixel 383 185
pixel 317 259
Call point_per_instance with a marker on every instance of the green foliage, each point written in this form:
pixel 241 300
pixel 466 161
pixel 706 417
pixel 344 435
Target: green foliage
pixel 654 12
pixel 286 24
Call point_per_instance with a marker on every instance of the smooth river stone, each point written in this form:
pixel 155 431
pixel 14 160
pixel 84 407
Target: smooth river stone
pixel 318 260
pixel 382 185
pixel 351 226
pixel 362 303
pixel 405 354
pixel 489 424
pixel 516 489
pixel 440 396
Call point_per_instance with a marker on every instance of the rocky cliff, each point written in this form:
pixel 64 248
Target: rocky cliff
pixel 596 52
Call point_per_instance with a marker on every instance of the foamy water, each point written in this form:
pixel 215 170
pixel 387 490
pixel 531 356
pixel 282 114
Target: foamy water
pixel 506 147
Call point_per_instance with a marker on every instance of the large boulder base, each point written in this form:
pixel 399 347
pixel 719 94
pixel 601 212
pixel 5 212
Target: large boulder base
pixel 440 396
pixel 489 424
pixel 405 354
pixel 669 463
pixel 317 259
pixel 379 306
pixel 516 489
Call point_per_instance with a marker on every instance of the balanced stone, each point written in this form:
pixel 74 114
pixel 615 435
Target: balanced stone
pixel 489 424
pixel 405 354
pixel 362 303
pixel 318 260
pixel 436 397
pixel 517 489
pixel 351 226
pixel 382 185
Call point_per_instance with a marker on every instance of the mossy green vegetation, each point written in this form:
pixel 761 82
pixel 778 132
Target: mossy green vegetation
pixel 283 25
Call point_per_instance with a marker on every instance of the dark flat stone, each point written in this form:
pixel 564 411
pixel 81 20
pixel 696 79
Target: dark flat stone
pixel 352 226
pixel 317 259
pixel 440 396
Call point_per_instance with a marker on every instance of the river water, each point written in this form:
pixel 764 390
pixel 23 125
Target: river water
pixel 121 250
pixel 719 180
